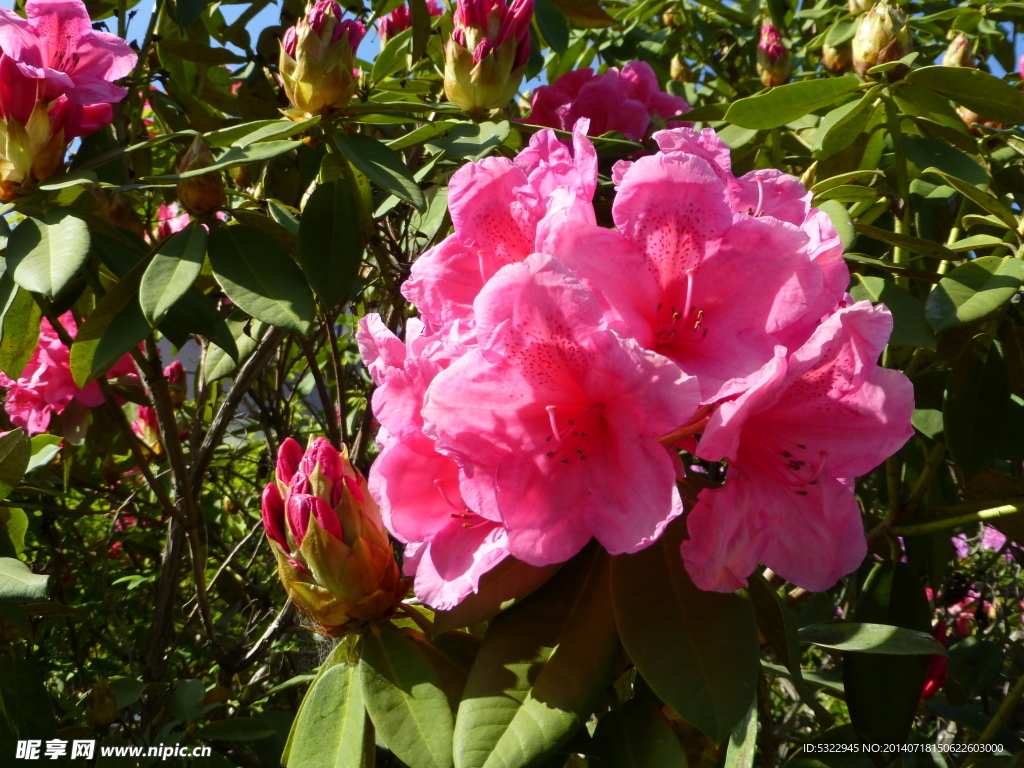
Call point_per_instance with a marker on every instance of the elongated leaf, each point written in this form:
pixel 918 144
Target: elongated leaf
pixel 44 253
pixel 976 405
pixel 260 277
pixel 883 691
pixel 15 452
pixel 871 638
pixel 587 14
pixel 979 91
pixel 986 200
pixel 910 328
pixel 787 103
pixel 17 582
pixel 331 241
pixel 237 729
pixel 20 331
pixel 542 669
pixel 404 689
pixel 264 150
pixel 277 129
pixel 552 25
pixel 332 729
pixel 381 165
pixel 114 327
pixel 915 244
pixel 246 333
pixel 743 742
pixel 973 290
pixel 174 268
pixel 636 735
pixel 697 650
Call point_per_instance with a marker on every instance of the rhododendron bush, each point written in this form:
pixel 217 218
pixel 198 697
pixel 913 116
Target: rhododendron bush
pixel 507 383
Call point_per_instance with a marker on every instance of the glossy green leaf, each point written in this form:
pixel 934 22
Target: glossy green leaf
pixel 743 742
pixel 976 404
pixel 910 328
pixel 636 735
pixel 552 25
pixel 173 269
pixel 275 130
pixel 421 26
pixel 587 14
pixel 383 166
pixel 951 163
pixel 915 244
pixel 404 689
pixel 391 57
pixel 472 141
pixel 264 150
pixel 15 452
pixel 331 241
pixel 17 582
pixel 246 333
pixel 967 185
pixel 871 638
pixel 332 729
pixel 543 667
pixel 260 277
pixel 44 253
pixel 44 449
pixel 979 91
pixel 787 103
pixel 883 691
pixel 973 291
pixel 697 650
pixel 115 326
pixel 20 331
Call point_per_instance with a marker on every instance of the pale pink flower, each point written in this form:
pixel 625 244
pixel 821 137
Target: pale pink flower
pixel 555 420
pixel 400 20
pixel 46 387
pixel 627 101
pixel 992 539
pixel 57 45
pixel 803 424
pixel 170 219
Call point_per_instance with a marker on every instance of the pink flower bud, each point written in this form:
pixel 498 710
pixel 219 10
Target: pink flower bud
pixel 273 515
pixel 772 57
pixel 960 52
pixel 400 20
pixel 487 53
pixel 175 375
pixel 288 458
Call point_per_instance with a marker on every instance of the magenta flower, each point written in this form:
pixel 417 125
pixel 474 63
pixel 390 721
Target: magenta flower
pixel 46 387
pixel 628 102
pixel 803 424
pixel 57 45
pixel 400 20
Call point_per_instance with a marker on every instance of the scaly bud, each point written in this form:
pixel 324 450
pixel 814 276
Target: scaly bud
pixel 960 52
pixel 772 57
pixel 838 59
pixel 486 55
pixel 882 36
pixel 680 70
pixel 858 7
pixel 200 195
pixel 147 429
pixel 334 556
pixel 318 60
pixel 101 705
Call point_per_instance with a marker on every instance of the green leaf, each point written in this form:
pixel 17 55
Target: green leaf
pixel 20 331
pixel 472 141
pixel 910 329
pixel 979 91
pixel 260 277
pixel 24 703
pixel 552 25
pixel 636 735
pixel 45 253
pixel 787 103
pixel 237 729
pixel 383 166
pixel 587 14
pixel 697 650
pixel 871 638
pixel 404 690
pixel 220 363
pixel 15 451
pixel 500 588
pixel 331 729
pixel 276 129
pixel 331 241
pixel 44 448
pixel 950 162
pixel 17 582
pixel 391 57
pixel 743 742
pixel 115 326
pixel 421 26
pixel 976 404
pixel 173 269
pixel 543 667
pixel 883 691
pixel 13 525
pixel 915 244
pixel 985 200
pixel 265 150
pixel 973 291
pixel 840 218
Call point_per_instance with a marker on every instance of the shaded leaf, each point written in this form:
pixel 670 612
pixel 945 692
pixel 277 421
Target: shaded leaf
pixel 979 91
pixel 976 403
pixel 44 253
pixel 383 166
pixel 171 272
pixel 332 729
pixel 331 241
pixel 871 638
pixel 17 582
pixel 973 290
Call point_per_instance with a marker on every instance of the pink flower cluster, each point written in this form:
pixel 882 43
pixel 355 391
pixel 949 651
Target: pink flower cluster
pixel 559 367
pixel 46 387
pixel 400 20
pixel 321 15
pixel 628 101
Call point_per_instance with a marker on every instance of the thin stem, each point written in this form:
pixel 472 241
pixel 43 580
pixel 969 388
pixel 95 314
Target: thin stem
pixel 330 413
pixel 956 522
pixel 932 462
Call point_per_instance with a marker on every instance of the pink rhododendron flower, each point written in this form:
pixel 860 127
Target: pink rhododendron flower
pixel 627 101
pixel 400 20
pixel 46 387
pixel 170 219
pixel 992 539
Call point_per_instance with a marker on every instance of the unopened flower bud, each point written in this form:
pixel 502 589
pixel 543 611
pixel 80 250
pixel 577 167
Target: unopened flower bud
pixel 680 70
pixel 147 429
pixel 487 53
pixel 318 60
pixel 960 52
pixel 838 59
pixel 175 375
pixel 772 57
pixel 200 195
pixel 101 705
pixel 672 17
pixel 400 20
pixel 882 36
pixel 333 554
pixel 860 6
